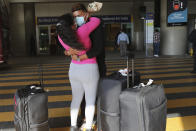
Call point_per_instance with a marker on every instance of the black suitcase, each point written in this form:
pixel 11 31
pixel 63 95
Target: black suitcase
pixel 31 109
pixel 108 98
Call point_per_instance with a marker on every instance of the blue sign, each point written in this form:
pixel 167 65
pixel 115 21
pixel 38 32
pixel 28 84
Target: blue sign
pixel 177 17
pixel 149 16
pixel 177 12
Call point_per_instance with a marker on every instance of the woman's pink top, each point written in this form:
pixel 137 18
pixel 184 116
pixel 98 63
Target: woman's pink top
pixel 83 33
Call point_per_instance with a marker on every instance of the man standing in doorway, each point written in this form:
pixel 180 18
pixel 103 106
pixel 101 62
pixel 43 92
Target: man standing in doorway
pixel 192 39
pixel 123 41
pixel 156 41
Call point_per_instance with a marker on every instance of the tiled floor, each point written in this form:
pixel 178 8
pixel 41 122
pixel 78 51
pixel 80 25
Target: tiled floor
pixel 172 72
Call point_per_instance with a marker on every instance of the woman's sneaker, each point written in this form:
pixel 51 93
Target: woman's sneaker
pixel 74 128
pixel 82 128
pixel 89 130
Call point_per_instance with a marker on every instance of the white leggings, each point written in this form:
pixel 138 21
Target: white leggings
pixel 84 79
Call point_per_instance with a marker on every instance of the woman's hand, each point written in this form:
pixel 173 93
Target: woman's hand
pixel 74 57
pixel 71 51
pixel 66 53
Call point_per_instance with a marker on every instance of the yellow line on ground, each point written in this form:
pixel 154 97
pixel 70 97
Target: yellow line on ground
pixel 60 98
pixel 181 123
pixel 66 73
pixel 150 71
pixel 180 89
pixel 145 63
pixel 60 129
pixel 166 70
pixel 166 75
pixel 52 113
pixel 6 116
pixel 156 65
pixel 190 80
pixel 10 74
pixel 181 103
pixel 187 102
pixel 173 124
pixel 34 77
pixel 114 69
pixel 31 73
pixel 164 66
pixel 64 88
pixel 7 102
pixel 59 112
pixel 3 84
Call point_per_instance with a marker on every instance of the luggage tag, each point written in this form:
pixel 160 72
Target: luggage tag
pixel 124 72
pixel 141 85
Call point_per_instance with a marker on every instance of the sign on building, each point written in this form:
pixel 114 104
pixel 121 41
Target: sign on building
pixel 176 12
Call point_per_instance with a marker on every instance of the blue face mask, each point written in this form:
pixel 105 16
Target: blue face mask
pixel 80 20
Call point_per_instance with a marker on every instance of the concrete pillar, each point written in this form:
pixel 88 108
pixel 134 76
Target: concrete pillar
pixel 138 25
pixel 173 39
pixel 17 30
pixel 29 18
pixel 1 44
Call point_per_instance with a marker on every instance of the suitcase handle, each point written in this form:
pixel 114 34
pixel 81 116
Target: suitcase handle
pixel 41 75
pixel 130 55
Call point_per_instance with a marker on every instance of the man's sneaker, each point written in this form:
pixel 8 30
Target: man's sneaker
pixel 156 55
pixel 74 128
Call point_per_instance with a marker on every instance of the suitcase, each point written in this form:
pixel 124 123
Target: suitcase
pixel 143 109
pixel 108 98
pixel 31 108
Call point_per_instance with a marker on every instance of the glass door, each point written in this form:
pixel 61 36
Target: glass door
pixel 44 40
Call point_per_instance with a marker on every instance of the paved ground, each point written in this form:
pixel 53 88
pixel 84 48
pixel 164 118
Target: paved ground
pixel 172 72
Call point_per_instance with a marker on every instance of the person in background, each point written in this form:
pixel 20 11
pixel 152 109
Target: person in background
pixel 156 42
pixel 192 39
pixel 123 41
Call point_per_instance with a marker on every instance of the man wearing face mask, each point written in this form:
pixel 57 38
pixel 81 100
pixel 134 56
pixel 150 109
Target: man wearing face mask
pixel 97 39
pixel 81 16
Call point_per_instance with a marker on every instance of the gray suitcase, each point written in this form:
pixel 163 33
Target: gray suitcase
pixel 109 104
pixel 110 89
pixel 143 109
pixel 31 108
